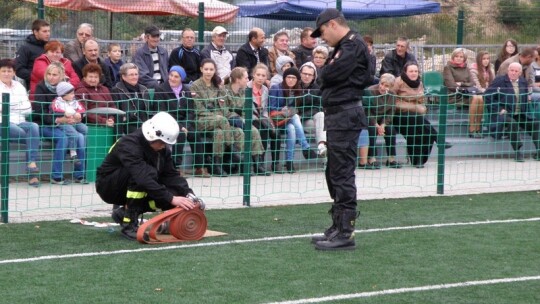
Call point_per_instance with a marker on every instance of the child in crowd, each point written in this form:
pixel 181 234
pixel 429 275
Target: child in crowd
pixel 114 61
pixel 73 110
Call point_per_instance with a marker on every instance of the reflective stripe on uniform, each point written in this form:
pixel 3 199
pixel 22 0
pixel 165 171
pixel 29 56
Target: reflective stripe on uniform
pixel 135 194
pixel 152 205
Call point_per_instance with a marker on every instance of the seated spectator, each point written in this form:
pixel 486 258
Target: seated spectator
pixel 261 121
pixel 304 52
pixel 65 105
pixel 74 49
pixel 49 124
pixel 395 60
pixel 458 78
pixel 114 61
pixel 363 152
pixel 152 59
pixel 283 111
pixel 282 64
pixel 91 55
pixel 509 49
pixel 217 51
pixel 380 113
pixel 128 94
pixel 95 95
pixel 409 119
pixel 372 58
pixel 233 107
pixel 525 58
pixel 20 130
pixel 211 118
pixel 506 101
pixel 310 107
pixel 253 52
pixel 32 48
pixel 53 53
pixel 280 48
pixel 188 57
pixel 174 98
pixel 482 71
pixel 320 54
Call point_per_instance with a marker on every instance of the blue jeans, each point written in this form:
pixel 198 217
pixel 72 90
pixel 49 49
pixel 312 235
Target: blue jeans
pixel 73 132
pixel 60 140
pixel 27 133
pixel 295 132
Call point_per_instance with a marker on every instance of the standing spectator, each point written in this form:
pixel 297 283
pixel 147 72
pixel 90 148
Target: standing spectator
pixel 91 55
pixel 509 49
pixel 506 100
pixel 114 61
pixel 252 52
pixel 394 60
pixel 53 53
pixel 217 51
pixel 151 59
pixel 372 58
pixel 304 52
pixel 525 58
pixel 95 95
pixel 128 94
pixel 188 57
pixel 280 48
pixel 49 125
pixel 310 108
pixel 482 71
pixel 343 80
pixel 74 49
pixel 20 130
pixel 33 47
pixel 67 106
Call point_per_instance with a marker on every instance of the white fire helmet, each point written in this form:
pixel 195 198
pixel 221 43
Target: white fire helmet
pixel 161 127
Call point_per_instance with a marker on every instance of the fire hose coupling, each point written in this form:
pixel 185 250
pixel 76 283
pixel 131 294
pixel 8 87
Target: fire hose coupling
pixel 196 200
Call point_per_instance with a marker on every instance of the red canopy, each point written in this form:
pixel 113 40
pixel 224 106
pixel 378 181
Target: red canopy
pixel 215 11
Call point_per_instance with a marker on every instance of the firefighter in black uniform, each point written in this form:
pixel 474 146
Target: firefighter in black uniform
pixel 139 174
pixel 344 77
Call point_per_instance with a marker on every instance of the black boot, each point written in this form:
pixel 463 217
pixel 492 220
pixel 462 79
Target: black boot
pixel 344 238
pixel 309 153
pixel 118 214
pixel 331 231
pixel 258 165
pixel 216 168
pixel 289 166
pixel 130 223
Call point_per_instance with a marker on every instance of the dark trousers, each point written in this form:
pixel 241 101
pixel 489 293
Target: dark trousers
pixel 389 139
pixel 419 133
pixel 342 132
pixel 517 122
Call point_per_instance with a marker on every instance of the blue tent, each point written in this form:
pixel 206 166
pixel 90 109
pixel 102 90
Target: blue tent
pixel 307 10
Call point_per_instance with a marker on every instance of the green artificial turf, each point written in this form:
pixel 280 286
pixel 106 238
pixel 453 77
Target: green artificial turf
pixel 289 269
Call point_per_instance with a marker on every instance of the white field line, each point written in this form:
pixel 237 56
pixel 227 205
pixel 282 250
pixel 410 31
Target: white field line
pixel 410 289
pixel 265 239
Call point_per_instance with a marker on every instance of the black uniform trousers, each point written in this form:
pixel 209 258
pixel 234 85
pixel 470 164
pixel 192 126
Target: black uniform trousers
pixel 342 131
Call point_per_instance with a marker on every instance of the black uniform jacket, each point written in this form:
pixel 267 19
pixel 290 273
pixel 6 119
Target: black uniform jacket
pixel 148 169
pixel 346 74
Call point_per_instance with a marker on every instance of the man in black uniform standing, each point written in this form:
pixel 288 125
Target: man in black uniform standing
pixel 343 79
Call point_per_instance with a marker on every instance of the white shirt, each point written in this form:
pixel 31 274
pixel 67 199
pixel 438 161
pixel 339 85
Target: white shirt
pixel 19 105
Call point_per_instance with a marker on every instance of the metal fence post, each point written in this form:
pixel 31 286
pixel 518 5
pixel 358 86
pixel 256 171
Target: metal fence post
pixel 441 139
pixel 338 5
pixel 460 22
pixel 201 25
pixel 40 9
pixel 246 166
pixel 4 166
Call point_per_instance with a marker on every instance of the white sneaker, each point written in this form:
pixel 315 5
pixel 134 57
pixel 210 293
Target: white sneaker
pixel 321 150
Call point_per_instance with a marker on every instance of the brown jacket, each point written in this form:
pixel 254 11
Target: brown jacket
pixel 408 98
pixel 453 74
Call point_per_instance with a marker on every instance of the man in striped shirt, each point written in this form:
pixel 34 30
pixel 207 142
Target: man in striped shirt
pixel 152 59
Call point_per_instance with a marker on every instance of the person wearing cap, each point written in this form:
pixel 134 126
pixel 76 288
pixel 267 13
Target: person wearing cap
pixel 91 55
pixel 67 106
pixel 343 80
pixel 152 59
pixel 139 174
pixel 253 52
pixel 217 51
pixel 188 57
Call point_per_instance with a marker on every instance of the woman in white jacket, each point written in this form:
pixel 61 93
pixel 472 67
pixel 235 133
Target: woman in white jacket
pixel 20 130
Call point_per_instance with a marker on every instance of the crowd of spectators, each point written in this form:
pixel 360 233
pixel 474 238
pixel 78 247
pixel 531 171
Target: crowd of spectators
pixel 205 91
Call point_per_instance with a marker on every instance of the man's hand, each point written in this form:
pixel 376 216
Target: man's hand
pixel 182 202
